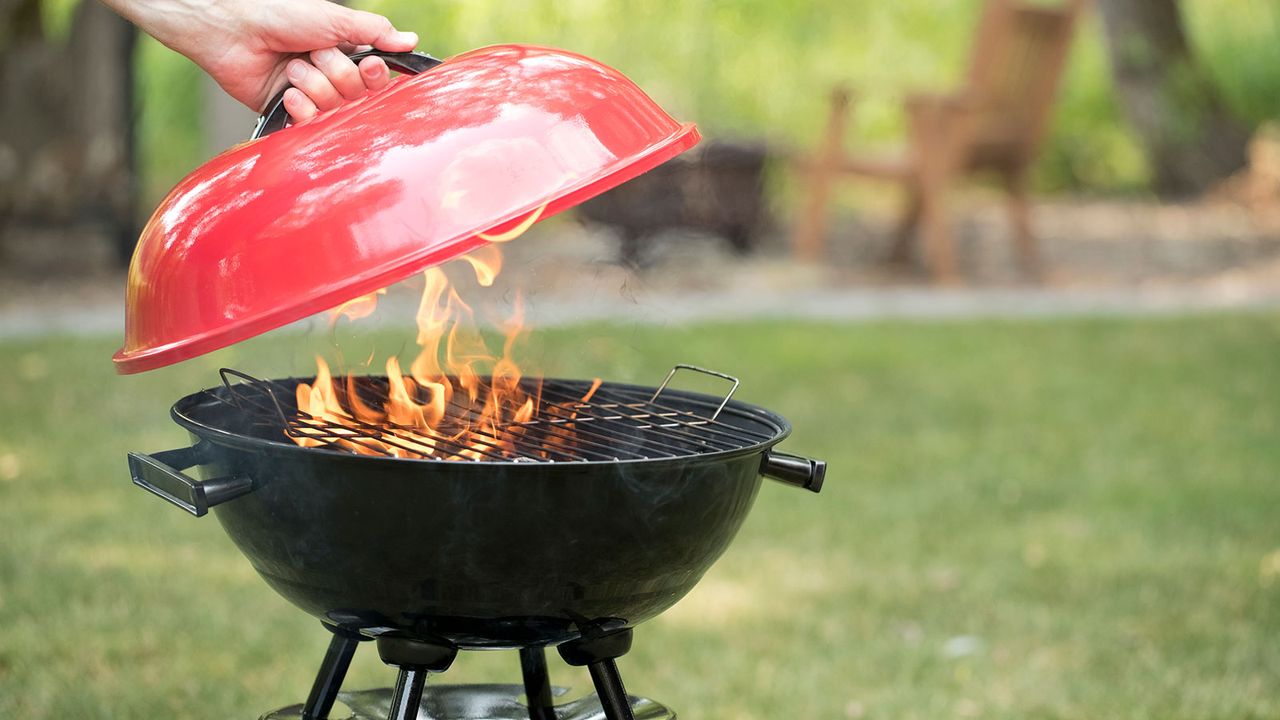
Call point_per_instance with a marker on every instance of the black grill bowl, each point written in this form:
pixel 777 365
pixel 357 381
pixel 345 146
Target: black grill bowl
pixel 482 554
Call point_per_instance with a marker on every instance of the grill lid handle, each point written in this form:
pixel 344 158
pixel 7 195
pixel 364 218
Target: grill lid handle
pixel 275 117
pixel 161 475
pixel 802 472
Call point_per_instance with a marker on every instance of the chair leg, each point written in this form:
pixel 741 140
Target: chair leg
pixel 809 240
pixel 811 230
pixel 1024 240
pixel 908 226
pixel 935 231
pixel 933 141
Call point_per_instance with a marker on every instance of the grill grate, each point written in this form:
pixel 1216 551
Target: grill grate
pixel 619 423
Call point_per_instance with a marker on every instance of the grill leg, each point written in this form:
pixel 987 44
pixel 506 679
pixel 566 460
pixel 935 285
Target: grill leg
pixel 337 659
pixel 613 696
pixel 415 658
pixel 537 683
pixel 408 695
pixel 598 654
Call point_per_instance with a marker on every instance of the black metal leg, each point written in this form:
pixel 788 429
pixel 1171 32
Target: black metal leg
pixel 337 659
pixel 537 683
pixel 598 653
pixel 613 696
pixel 408 694
pixel 415 658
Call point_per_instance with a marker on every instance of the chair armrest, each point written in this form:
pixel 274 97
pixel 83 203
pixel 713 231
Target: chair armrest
pixel 946 104
pixel 940 126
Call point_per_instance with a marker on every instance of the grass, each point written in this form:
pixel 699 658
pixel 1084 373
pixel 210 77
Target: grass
pixel 1048 519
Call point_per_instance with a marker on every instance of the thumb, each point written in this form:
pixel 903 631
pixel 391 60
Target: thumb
pixel 358 27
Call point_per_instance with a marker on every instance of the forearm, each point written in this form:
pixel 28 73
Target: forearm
pixel 186 26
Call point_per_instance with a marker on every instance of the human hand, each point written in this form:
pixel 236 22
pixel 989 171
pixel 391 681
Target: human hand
pixel 252 48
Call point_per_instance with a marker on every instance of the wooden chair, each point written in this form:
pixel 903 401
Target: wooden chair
pixel 995 123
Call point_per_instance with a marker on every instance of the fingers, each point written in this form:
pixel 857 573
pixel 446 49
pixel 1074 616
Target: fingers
pixel 341 73
pixel 298 105
pixel 330 81
pixel 330 78
pixel 365 28
pixel 313 84
pixel 374 72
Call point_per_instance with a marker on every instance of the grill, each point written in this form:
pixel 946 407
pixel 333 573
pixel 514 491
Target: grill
pixel 563 527
pixel 620 422
pixel 564 530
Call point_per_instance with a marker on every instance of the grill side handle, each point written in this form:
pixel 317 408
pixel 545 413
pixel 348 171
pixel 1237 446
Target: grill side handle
pixel 161 475
pixel 801 472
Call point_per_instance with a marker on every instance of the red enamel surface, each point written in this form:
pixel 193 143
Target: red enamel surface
pixel 280 228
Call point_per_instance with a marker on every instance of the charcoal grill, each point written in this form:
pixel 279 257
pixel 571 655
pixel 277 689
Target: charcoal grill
pixel 564 529
pixel 599 516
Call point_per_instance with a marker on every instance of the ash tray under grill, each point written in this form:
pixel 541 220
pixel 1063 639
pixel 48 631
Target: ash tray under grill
pixel 474 702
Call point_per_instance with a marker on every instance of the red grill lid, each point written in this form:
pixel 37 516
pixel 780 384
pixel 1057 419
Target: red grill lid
pixel 302 220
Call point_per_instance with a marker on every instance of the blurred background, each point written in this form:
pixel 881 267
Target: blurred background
pixel 1149 146
pixel 1012 268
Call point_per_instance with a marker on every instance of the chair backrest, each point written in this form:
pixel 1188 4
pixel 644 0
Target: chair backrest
pixel 1019 53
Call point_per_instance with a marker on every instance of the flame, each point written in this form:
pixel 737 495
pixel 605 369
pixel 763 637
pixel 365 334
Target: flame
pixel 360 307
pixel 516 231
pixel 486 262
pixel 458 401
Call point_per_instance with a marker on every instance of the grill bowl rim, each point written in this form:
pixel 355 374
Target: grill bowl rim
pixel 778 425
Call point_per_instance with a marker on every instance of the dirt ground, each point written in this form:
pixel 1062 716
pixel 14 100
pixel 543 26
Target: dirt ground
pixel 1100 257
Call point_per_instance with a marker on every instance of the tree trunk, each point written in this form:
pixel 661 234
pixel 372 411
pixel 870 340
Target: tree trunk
pixel 1190 138
pixel 67 170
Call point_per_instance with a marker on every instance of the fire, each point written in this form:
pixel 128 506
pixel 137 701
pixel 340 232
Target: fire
pixel 458 401
pixel 360 307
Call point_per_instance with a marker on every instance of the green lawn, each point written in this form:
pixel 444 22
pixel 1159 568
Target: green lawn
pixel 1058 519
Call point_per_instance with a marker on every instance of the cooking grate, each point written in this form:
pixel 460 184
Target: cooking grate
pixel 620 422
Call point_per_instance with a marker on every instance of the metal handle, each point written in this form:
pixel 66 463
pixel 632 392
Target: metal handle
pixel 802 472
pixel 275 117
pixel 161 474
pixel 704 371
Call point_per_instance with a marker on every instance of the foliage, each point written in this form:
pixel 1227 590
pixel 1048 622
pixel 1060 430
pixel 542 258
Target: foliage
pixel 1240 40
pixel 764 69
pixel 1038 519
